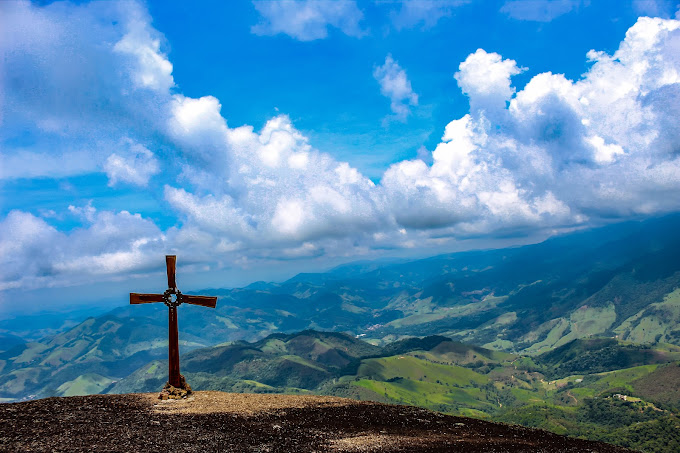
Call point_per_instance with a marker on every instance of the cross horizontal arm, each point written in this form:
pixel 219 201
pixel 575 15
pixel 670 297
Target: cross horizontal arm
pixel 203 301
pixel 136 298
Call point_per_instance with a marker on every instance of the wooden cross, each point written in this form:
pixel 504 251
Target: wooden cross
pixel 173 298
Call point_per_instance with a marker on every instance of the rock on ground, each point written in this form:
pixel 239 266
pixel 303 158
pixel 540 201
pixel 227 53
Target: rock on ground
pixel 175 393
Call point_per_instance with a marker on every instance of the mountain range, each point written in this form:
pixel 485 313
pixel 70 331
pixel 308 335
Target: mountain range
pixel 598 388
pixel 564 335
pixel 620 281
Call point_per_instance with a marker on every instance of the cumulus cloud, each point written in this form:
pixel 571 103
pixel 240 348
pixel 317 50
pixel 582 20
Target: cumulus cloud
pixel 540 10
pixel 560 151
pixel 395 85
pixel 108 245
pixel 551 154
pixel 279 188
pixel 150 67
pixel 468 187
pixel 656 8
pixel 78 79
pixel 26 243
pixel 307 20
pixel 485 79
pixel 135 164
pixel 411 13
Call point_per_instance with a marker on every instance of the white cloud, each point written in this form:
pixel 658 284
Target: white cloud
pixel 485 79
pixel 552 154
pixel 276 188
pixel 655 8
pixel 134 164
pixel 25 163
pixel 82 78
pixel 307 20
pixel 110 244
pixel 395 85
pixel 26 245
pixel 561 151
pixel 428 12
pixel 217 215
pixel 151 67
pixel 200 132
pixel 468 184
pixel 540 10
pixel 289 217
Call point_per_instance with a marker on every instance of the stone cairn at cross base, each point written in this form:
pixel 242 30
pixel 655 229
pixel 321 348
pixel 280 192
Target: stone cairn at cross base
pixel 170 392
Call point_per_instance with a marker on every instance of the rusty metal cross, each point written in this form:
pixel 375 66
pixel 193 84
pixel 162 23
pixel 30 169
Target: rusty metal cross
pixel 173 298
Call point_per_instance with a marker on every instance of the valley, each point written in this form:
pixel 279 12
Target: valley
pixel 599 389
pixel 579 335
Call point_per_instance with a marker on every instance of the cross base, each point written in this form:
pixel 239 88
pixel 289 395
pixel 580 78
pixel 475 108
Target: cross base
pixel 175 393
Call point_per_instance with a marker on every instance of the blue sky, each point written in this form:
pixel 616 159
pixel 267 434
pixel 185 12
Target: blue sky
pixel 258 139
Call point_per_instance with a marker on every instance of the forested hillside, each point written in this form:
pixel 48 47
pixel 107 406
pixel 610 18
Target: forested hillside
pixel 620 393
pixel 620 281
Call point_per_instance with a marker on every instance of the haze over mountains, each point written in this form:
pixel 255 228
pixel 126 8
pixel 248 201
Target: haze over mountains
pixel 618 281
pixel 557 329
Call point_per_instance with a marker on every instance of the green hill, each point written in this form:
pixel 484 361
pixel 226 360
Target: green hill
pixel 602 354
pixel 577 389
pixel 109 346
pixel 621 281
pixel 661 385
pixel 633 404
pixel 297 361
pixel 9 341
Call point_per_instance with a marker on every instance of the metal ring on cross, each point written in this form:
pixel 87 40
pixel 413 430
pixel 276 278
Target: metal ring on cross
pixel 167 298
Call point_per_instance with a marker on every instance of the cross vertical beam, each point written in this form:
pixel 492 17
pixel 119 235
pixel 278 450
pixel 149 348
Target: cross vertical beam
pixel 173 298
pixel 173 348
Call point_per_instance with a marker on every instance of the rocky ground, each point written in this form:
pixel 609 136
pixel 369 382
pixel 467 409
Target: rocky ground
pixel 216 421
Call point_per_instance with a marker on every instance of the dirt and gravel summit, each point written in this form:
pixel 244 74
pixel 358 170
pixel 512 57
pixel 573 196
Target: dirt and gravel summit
pixel 217 421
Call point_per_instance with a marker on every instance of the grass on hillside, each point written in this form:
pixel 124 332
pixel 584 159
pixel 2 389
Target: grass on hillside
pixel 86 384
